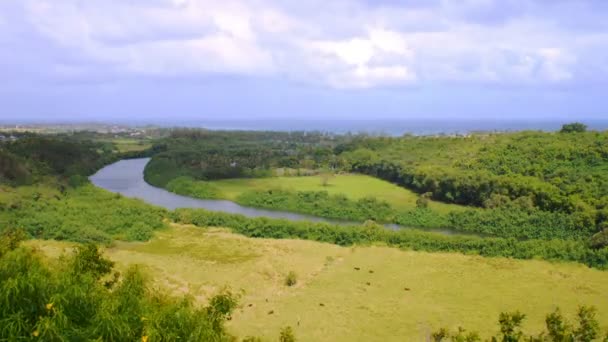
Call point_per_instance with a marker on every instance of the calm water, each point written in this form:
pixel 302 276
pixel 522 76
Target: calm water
pixel 394 127
pixel 126 177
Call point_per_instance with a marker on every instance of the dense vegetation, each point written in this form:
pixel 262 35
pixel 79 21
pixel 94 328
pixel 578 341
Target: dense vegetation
pixel 31 158
pixel 60 203
pixel 82 214
pixel 82 297
pixel 555 172
pixel 532 185
pixel 558 329
pixel 370 232
pixel 205 155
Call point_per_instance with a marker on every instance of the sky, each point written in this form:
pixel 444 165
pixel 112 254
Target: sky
pixel 316 59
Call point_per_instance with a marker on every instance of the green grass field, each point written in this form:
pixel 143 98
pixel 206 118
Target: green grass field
pixel 129 145
pixel 351 185
pixel 332 301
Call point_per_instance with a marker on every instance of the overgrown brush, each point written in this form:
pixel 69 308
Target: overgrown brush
pixel 82 298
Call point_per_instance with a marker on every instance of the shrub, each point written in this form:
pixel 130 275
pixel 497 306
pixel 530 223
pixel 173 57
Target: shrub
pixel 291 279
pixel 556 249
pixel 70 301
pixel 557 329
pixel 423 200
pixel 599 240
pixel 287 335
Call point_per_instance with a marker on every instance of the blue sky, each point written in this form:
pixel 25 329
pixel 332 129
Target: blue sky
pixel 206 59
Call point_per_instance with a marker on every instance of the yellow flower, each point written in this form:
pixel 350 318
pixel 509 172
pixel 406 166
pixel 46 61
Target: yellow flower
pixel 49 306
pixel 144 338
pixel 35 333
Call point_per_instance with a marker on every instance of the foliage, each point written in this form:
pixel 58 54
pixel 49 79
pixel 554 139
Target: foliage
pixel 319 203
pixel 83 214
pixel 13 170
pixel 551 172
pixel 555 249
pixel 189 187
pixel 32 157
pixel 518 223
pixel 557 329
pixel 69 301
pixel 599 240
pixel 10 240
pixel 510 326
pixel 287 335
pixel 508 221
pixel 206 155
pixel 291 279
pixel 326 175
pixel 575 127
pixel 532 184
pixel 423 201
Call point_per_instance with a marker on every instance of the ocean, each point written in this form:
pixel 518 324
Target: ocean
pixel 391 127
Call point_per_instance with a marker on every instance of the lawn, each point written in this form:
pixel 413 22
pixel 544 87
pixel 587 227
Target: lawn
pixel 351 185
pixel 394 296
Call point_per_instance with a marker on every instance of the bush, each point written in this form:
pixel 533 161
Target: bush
pixel 291 279
pixel 187 186
pixel 557 329
pixel 287 335
pixel 566 250
pixel 599 240
pixel 423 200
pixel 70 301
pixel 84 214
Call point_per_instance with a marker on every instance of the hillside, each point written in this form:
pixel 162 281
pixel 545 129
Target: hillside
pixel 408 295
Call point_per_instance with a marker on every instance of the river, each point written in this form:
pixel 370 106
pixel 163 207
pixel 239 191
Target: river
pixel 126 177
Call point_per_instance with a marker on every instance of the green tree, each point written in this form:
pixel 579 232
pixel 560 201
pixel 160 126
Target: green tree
pixel 287 335
pixel 510 326
pixel 559 330
pixel 575 127
pixel 588 326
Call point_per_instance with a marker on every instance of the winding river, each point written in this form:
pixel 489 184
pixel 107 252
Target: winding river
pixel 126 177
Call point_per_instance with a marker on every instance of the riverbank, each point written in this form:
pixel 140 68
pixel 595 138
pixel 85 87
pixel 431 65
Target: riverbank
pixel 126 178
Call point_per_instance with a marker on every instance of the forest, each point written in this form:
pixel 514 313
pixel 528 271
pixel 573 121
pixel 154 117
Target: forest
pixel 520 185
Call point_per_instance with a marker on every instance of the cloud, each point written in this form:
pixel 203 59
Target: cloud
pixel 341 44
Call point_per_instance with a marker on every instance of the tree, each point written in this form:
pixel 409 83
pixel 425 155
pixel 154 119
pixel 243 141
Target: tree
pixel 510 326
pixel 287 335
pixel 326 175
pixel 588 326
pixel 558 328
pixel 423 201
pixel 575 127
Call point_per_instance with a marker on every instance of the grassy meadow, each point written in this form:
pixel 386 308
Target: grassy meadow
pixel 356 294
pixel 124 145
pixel 353 186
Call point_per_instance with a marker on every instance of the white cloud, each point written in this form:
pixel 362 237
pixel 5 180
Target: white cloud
pixel 343 44
pixel 379 58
